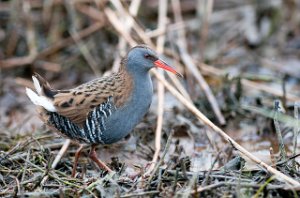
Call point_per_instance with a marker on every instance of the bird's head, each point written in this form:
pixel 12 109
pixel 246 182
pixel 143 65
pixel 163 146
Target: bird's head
pixel 141 59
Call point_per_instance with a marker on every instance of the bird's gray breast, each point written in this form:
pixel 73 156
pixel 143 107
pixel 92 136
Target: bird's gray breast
pixel 125 118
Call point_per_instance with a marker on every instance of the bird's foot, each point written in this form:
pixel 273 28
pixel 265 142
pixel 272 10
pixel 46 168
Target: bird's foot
pixel 102 165
pixel 77 155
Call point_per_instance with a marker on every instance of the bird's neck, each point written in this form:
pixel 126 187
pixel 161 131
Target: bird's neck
pixel 139 84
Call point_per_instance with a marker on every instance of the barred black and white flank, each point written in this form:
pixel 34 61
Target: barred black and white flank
pixel 93 127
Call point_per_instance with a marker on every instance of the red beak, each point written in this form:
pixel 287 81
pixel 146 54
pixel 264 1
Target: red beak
pixel 165 66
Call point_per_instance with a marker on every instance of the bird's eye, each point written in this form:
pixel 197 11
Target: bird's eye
pixel 147 56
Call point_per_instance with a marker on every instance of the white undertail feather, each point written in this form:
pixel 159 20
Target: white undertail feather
pixel 38 99
pixel 37 85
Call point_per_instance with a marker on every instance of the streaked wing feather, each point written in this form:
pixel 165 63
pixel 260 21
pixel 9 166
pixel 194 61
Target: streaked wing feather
pixel 75 104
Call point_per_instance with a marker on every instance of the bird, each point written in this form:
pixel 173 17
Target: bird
pixel 103 110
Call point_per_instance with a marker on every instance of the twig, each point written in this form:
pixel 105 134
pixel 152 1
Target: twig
pixel 175 181
pixel 141 194
pixel 93 13
pixel 113 19
pixel 272 156
pixel 30 33
pixel 262 187
pixel 124 13
pixel 283 97
pixel 58 157
pixel 133 10
pixel 278 131
pixel 46 12
pixel 210 169
pixel 46 65
pixel 188 61
pixel 61 153
pixel 30 37
pixel 162 15
pixel 65 42
pixel 296 131
pixel 108 177
pixel 17 187
pixel 225 183
pixel 14 36
pixel 24 173
pixel 206 7
pixel 288 159
pixel 74 34
pixel 188 191
pixel 179 86
pixel 48 193
pixel 162 157
pixel 16 61
pixel 270 114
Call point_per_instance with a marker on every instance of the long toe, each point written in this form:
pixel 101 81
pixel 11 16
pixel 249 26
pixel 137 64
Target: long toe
pixel 101 165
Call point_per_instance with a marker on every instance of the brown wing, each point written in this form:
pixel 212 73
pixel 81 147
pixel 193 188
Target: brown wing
pixel 75 104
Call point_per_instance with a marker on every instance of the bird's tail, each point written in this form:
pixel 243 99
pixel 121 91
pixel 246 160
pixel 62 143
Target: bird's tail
pixel 45 94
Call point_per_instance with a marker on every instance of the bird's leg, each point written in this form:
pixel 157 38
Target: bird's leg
pixel 93 156
pixel 77 155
